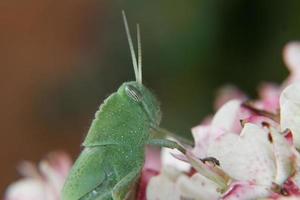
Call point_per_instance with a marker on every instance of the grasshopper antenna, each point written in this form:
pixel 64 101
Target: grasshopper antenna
pixel 134 61
pixel 139 51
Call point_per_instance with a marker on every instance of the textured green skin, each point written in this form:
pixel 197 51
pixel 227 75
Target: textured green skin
pixel 114 148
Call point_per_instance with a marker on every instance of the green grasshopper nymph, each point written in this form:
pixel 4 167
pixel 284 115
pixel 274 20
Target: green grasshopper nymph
pixel 114 148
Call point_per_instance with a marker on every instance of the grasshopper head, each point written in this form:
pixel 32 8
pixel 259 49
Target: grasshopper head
pixel 142 96
pixel 135 90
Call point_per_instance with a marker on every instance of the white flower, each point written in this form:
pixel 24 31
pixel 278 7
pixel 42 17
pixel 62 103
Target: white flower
pixel 254 142
pixel 164 187
pixel 44 182
pixel 290 111
pixel 173 184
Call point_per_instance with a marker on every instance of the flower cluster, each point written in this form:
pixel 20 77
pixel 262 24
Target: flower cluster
pixel 42 182
pixel 247 150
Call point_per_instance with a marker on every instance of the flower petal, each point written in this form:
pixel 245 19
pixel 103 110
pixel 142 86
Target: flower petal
pixel 28 189
pixel 291 188
pixel 229 115
pixel 55 169
pixel 204 135
pixel 269 94
pixel 60 162
pixel 291 55
pixel 283 156
pixel 168 158
pixel 247 157
pixel 290 111
pixel 287 198
pixel 261 121
pixel 227 119
pixel 44 182
pixel 197 187
pixel 163 187
pixel 151 168
pixel 296 168
pixel 246 191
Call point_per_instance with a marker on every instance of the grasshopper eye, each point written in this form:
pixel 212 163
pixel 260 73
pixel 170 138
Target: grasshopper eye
pixel 133 93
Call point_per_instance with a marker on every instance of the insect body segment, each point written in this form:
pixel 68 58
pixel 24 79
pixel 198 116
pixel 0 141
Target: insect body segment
pixel 113 152
pixel 120 119
pixel 114 148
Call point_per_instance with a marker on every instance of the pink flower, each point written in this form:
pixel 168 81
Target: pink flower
pixel 255 143
pixel 253 164
pixel 42 182
pixel 259 155
pixel 151 168
pixel 229 118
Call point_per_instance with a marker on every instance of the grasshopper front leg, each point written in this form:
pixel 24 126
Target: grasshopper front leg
pixel 167 143
pixel 122 190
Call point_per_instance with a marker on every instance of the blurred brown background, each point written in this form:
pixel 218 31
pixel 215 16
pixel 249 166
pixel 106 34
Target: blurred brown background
pixel 41 44
pixel 60 59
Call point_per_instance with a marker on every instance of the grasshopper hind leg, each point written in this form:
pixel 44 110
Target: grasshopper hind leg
pixel 123 189
pixel 97 196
